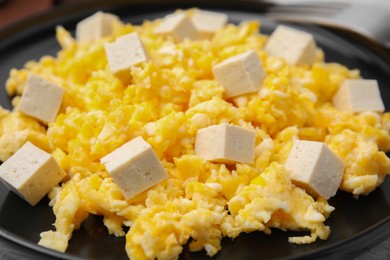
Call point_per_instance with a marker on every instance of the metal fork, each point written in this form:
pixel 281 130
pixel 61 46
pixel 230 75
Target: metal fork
pixel 371 21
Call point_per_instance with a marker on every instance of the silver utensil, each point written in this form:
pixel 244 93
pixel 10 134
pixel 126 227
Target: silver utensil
pixel 368 20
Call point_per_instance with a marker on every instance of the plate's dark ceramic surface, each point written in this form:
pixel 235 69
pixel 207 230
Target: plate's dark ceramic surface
pixel 356 224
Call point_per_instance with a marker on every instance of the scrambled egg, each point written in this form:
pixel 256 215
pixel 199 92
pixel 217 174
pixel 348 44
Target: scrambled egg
pixel 166 101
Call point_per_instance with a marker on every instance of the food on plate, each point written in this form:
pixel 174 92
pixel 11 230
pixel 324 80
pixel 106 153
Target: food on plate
pixel 40 99
pixel 178 26
pixel 359 95
pixel 134 167
pixel 95 27
pixel 294 46
pixel 226 144
pixel 31 173
pixel 207 23
pixel 314 167
pixel 126 51
pixel 240 74
pixel 167 101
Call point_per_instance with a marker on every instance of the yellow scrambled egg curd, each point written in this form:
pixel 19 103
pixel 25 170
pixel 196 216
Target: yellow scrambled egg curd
pixel 166 100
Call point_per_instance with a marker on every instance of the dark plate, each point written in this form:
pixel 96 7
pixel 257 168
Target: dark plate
pixel 356 224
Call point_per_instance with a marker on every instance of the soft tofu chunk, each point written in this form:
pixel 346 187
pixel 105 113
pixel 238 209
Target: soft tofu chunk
pixel 125 52
pixel 177 25
pixel 240 74
pixel 31 173
pixel 359 95
pixel 95 27
pixel 40 99
pixel 314 167
pixel 225 143
pixel 208 23
pixel 134 167
pixel 294 46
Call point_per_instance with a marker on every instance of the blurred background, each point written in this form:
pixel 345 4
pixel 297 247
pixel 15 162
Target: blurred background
pixel 14 10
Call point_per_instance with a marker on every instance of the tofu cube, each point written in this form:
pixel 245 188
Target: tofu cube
pixel 208 23
pixel 125 52
pixel 359 95
pixel 95 27
pixel 294 46
pixel 31 173
pixel 240 74
pixel 134 167
pixel 179 26
pixel 225 143
pixel 314 167
pixel 40 99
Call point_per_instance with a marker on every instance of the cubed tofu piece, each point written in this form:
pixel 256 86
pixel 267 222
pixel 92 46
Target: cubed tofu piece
pixel 225 143
pixel 208 23
pixel 125 52
pixel 179 26
pixel 31 173
pixel 314 167
pixel 240 74
pixel 95 27
pixel 359 95
pixel 134 167
pixel 294 46
pixel 41 99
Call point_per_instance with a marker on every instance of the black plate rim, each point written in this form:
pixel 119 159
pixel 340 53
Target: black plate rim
pixel 50 18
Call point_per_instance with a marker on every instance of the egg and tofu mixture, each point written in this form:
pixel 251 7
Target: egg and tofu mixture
pixel 188 129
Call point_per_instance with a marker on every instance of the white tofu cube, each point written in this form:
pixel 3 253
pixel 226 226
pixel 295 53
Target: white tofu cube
pixel 359 95
pixel 40 99
pixel 314 167
pixel 95 27
pixel 134 167
pixel 31 173
pixel 225 143
pixel 179 26
pixel 208 23
pixel 294 46
pixel 125 52
pixel 240 74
